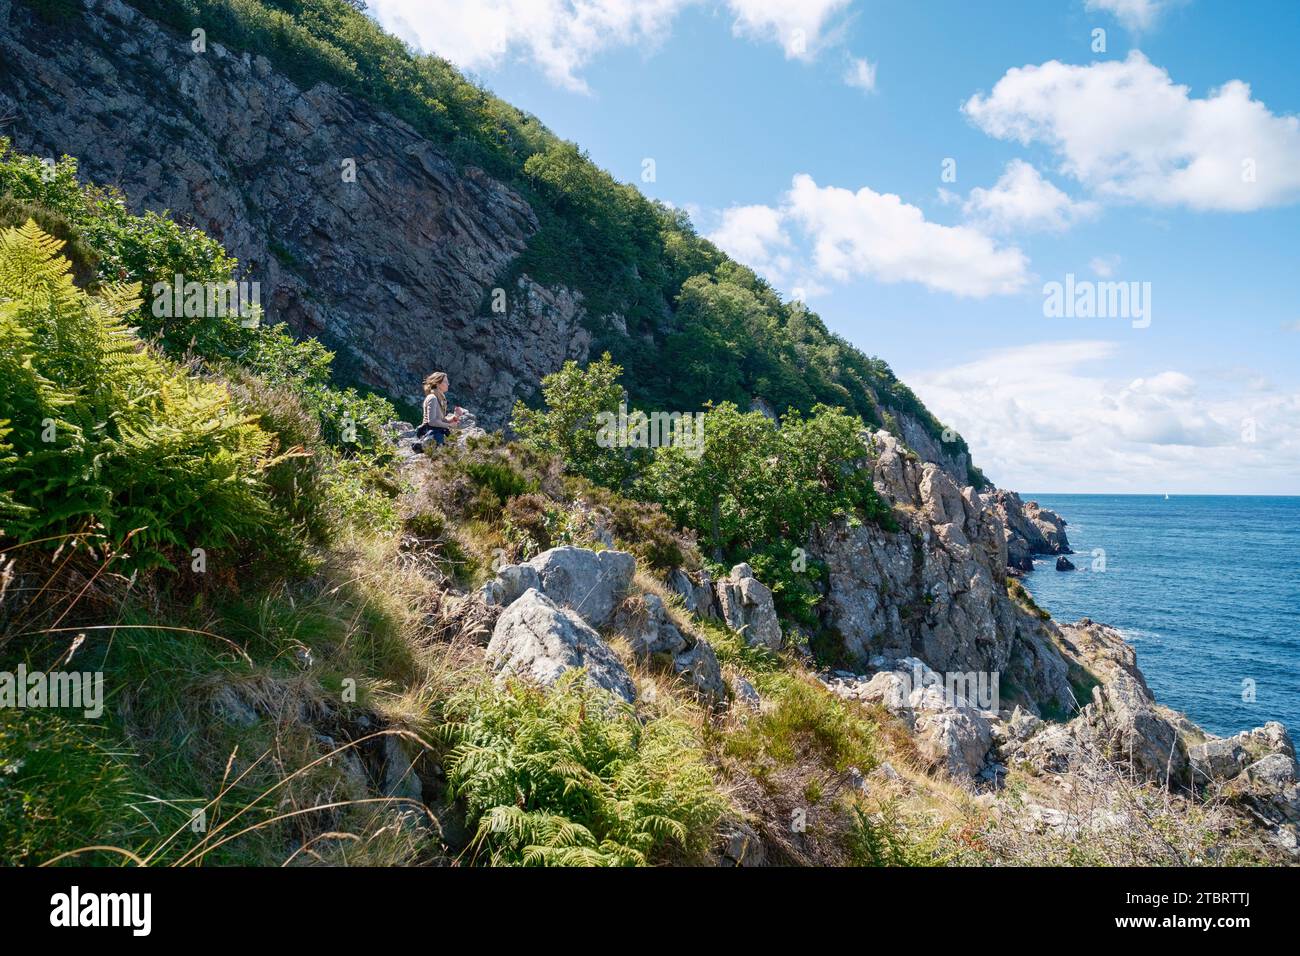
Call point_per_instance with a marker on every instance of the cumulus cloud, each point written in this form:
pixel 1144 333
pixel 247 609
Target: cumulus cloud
pixel 798 25
pixel 866 234
pixel 1134 14
pixel 1127 131
pixel 1049 417
pixel 755 236
pixel 1022 200
pixel 562 36
pixel 843 235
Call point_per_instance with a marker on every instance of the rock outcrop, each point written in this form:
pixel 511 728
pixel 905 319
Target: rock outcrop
pixel 950 730
pixel 592 583
pixel 1029 529
pixel 745 604
pixel 644 621
pixel 935 589
pixel 391 269
pixel 537 640
pixel 1122 722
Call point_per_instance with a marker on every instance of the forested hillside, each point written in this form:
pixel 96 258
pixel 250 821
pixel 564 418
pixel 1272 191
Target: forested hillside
pixel 687 324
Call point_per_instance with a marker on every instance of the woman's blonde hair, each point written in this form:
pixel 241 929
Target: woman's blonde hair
pixel 433 380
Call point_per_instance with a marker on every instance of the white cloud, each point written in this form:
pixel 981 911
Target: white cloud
pixel 1124 129
pixel 562 36
pixel 860 74
pixel 877 235
pixel 1047 417
pixel 1023 200
pixel 821 234
pixel 754 235
pixel 1134 14
pixel 798 25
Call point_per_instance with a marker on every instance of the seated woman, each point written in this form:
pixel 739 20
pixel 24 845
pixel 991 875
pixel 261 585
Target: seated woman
pixel 436 420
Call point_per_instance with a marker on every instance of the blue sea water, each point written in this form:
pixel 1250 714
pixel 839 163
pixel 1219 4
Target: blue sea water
pixel 1206 588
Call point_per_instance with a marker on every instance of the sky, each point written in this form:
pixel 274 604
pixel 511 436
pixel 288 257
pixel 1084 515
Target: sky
pixel 948 184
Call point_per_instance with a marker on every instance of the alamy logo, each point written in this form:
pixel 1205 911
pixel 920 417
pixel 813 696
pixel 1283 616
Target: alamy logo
pixel 1085 299
pixel 64 689
pixel 970 688
pixel 684 430
pixel 75 908
pixel 208 300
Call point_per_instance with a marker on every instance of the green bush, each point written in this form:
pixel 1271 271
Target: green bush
pixel 569 777
pixel 569 426
pixel 106 434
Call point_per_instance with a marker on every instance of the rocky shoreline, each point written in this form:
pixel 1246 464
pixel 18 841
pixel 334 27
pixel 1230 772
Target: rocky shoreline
pixel 938 632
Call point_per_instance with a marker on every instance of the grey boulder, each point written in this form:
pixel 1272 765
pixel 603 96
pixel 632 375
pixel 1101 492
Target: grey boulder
pixel 538 640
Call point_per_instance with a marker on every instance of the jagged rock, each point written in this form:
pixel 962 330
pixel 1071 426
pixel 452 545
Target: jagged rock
pixel 936 588
pixel 741 846
pixel 747 608
pixel 1122 722
pixel 1023 724
pixel 538 640
pixel 645 622
pixel 697 596
pixel 1064 564
pixel 745 693
pixel 399 778
pixel 593 583
pixel 950 732
pixel 1029 529
pixel 511 581
pixel 1217 759
pixel 698 666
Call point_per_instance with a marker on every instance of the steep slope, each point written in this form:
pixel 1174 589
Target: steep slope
pixel 254 138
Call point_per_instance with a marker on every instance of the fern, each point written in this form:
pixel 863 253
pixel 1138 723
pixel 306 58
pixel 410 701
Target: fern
pixel 567 777
pixel 102 431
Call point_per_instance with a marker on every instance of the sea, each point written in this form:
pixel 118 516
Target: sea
pixel 1205 587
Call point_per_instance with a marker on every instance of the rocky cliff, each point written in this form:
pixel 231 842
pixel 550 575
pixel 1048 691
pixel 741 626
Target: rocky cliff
pixel 391 266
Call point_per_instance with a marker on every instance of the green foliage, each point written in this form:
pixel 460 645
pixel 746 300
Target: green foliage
pixel 534 523
pixel 884 839
pixel 569 426
pixel 1025 599
pixel 108 245
pixel 104 432
pixel 60 787
pixel 804 723
pixel 150 249
pixel 569 777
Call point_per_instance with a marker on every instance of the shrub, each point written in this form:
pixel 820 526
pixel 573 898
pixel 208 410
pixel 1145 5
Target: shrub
pixel 103 430
pixel 806 723
pixel 568 427
pixel 533 523
pixel 569 777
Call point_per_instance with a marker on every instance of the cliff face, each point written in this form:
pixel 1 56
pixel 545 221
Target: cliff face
pixel 392 269
pixel 937 588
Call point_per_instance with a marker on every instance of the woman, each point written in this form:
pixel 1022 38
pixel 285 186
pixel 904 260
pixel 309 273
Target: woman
pixel 436 420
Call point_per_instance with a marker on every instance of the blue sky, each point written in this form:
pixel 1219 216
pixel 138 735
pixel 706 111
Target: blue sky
pixel 808 138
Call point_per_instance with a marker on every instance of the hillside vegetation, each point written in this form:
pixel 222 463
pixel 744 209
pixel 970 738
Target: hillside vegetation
pixel 693 326
pixel 284 609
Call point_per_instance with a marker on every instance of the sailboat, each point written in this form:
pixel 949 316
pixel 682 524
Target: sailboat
pixel 1166 496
